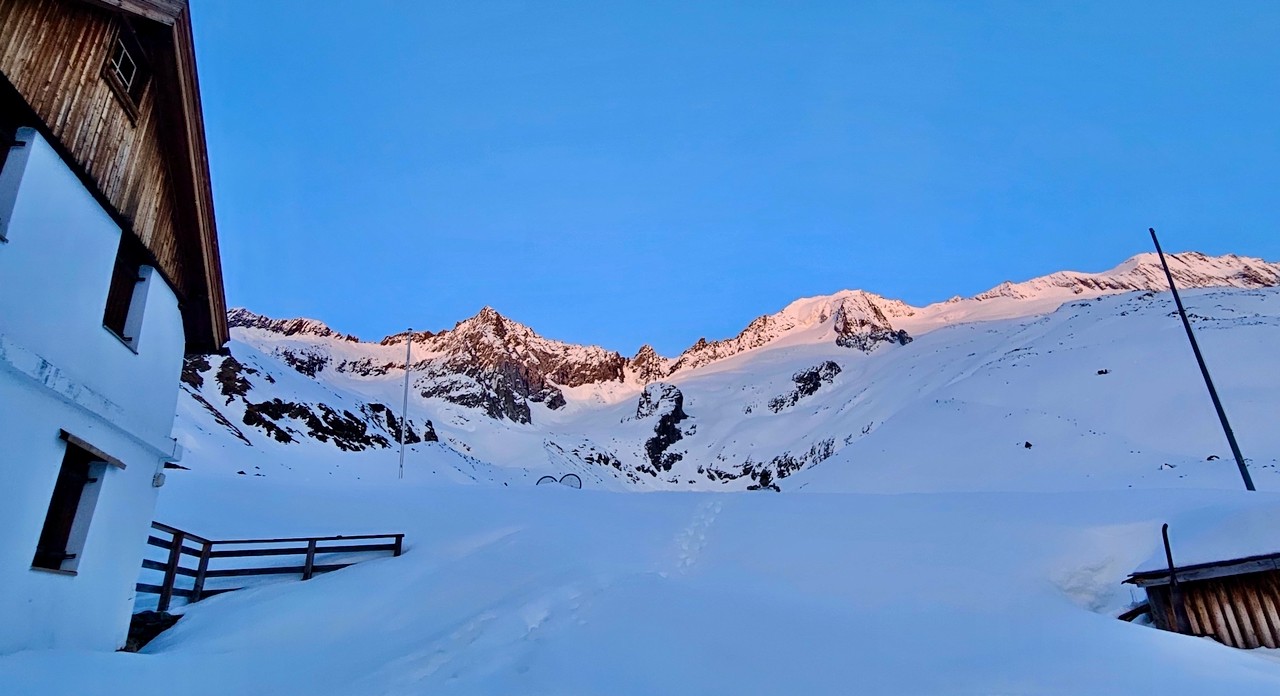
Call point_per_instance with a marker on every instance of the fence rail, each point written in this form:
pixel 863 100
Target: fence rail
pixel 178 543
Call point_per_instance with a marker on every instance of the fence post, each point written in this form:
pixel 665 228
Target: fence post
pixel 311 559
pixel 399 544
pixel 171 571
pixel 197 591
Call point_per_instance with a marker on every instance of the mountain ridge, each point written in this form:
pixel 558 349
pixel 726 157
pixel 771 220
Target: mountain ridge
pixel 858 310
pixel 491 400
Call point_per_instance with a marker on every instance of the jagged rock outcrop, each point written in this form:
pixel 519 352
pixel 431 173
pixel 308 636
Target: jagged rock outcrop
pixel 647 366
pixel 666 402
pixel 245 319
pixel 859 320
pixel 370 425
pixel 808 382
pixel 865 327
pixel 500 366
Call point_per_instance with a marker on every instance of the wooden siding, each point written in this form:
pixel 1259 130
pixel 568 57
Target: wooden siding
pixel 53 52
pixel 1242 611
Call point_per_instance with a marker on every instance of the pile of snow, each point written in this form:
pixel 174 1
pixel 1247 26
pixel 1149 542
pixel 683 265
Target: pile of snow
pixel 549 590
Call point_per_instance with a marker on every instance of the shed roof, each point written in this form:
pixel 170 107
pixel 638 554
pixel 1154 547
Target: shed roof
pixel 1216 541
pixel 1207 571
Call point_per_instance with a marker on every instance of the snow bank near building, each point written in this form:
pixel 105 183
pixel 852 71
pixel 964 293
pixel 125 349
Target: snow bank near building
pixel 548 590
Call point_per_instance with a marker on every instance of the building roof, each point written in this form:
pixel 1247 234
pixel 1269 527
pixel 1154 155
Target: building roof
pixel 190 166
pixel 204 307
pixel 1207 571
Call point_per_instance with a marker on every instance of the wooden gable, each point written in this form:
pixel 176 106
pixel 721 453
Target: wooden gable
pixel 141 153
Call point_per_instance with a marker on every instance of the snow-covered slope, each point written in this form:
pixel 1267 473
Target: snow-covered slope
pixel 1029 449
pixel 547 590
pixel 850 391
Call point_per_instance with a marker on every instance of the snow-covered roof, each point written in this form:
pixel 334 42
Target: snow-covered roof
pixel 1213 543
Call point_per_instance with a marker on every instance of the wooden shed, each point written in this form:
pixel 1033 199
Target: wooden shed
pixel 1236 602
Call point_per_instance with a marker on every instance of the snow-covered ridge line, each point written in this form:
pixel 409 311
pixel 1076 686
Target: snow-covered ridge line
pixel 1143 272
pixel 856 313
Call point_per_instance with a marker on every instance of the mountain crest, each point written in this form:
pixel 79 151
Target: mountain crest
pixel 242 318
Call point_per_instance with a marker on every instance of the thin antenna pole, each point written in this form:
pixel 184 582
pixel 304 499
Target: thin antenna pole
pixel 1204 369
pixel 404 410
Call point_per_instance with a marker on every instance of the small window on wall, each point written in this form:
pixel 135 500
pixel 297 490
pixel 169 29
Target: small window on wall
pixel 126 69
pixel 75 494
pixel 124 304
pixel 14 148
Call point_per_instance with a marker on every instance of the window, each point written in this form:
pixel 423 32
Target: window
pixel 126 69
pixel 123 315
pixel 75 494
pixel 124 65
pixel 14 115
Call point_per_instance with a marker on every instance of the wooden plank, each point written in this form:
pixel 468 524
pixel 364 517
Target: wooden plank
pixel 309 566
pixel 174 530
pixel 278 570
pixel 1261 620
pixel 157 565
pixel 170 573
pixel 1158 598
pixel 154 10
pixel 301 550
pixel 1135 611
pixel 168 543
pixel 202 572
pixel 1236 640
pixel 1234 593
pixel 82 444
pixel 282 540
pixel 1207 571
pixel 156 589
pixel 248 572
pixel 1270 599
pixel 1203 619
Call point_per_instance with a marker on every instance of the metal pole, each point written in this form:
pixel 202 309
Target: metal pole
pixel 404 410
pixel 1181 623
pixel 1204 370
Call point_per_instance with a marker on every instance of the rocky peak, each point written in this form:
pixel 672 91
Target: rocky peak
pixel 242 318
pixel 647 366
pixel 396 339
pixel 859 319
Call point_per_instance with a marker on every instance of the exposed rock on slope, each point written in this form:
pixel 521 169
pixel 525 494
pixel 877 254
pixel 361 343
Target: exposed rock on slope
pixel 647 366
pixel 500 366
pixel 489 381
pixel 667 403
pixel 808 382
pixel 859 319
pixel 229 395
pixel 243 318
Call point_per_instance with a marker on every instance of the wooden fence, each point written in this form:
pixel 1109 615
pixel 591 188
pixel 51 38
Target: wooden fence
pixel 206 552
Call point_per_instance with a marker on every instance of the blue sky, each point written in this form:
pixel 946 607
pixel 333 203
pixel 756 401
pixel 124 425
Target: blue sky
pixel 654 171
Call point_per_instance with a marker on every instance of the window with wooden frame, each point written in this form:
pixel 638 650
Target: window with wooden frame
pixel 75 495
pixel 126 69
pixel 124 302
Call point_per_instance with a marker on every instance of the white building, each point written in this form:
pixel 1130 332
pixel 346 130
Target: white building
pixel 109 274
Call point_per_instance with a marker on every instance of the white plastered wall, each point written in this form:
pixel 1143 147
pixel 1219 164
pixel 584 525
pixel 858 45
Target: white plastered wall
pixel 60 369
